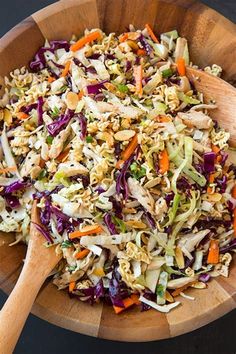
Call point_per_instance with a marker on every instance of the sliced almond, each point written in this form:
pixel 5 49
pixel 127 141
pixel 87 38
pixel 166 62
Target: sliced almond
pixel 199 285
pixel 72 100
pixel 179 257
pixel 124 135
pixel 133 45
pixel 136 224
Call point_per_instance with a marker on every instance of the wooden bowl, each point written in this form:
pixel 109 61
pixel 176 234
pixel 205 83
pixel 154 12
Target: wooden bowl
pixel 212 39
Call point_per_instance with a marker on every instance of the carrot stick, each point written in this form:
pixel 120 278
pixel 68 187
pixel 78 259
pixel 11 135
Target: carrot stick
pixel 82 254
pixel 164 161
pixel 151 33
pixel 22 115
pixel 215 149
pixel 213 255
pixel 141 52
pixel 87 230
pixel 66 69
pixel 86 39
pixel 211 180
pixel 63 155
pixel 138 76
pixel 127 303
pixel 123 37
pixel 8 169
pixel 176 292
pixel 71 286
pixel 181 66
pixel 164 119
pixel 80 94
pixel 128 151
pixel 51 79
pixel 135 298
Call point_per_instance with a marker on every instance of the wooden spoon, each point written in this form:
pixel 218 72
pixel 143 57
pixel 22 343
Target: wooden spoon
pixel 222 93
pixel 39 263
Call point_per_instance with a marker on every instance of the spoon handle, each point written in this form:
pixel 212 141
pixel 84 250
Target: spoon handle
pixel 17 308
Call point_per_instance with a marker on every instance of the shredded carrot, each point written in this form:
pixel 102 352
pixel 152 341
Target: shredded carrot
pixel 211 180
pixel 63 155
pixel 151 33
pixel 71 286
pixel 213 255
pixel 80 94
pixel 82 254
pixel 138 76
pixel 141 52
pixel 181 66
pixel 51 79
pixel 135 299
pixel 8 169
pixel 128 151
pixel 87 230
pixel 66 69
pixel 86 39
pixel 22 115
pixel 164 119
pixel 164 161
pixel 127 303
pixel 123 37
pixel 177 291
pixel 215 149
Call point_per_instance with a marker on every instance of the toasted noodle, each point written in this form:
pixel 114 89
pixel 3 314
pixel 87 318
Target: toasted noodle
pixel 129 170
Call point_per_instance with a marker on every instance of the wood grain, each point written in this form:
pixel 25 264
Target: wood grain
pixel 212 39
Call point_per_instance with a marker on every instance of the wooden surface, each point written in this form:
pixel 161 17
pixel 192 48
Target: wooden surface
pixel 204 28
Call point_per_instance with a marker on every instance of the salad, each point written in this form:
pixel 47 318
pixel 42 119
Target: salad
pixel 129 171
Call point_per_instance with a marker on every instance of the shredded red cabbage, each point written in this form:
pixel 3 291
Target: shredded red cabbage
pixel 209 162
pixel 59 124
pixel 204 277
pixel 59 44
pixel 146 46
pixel 15 186
pixel 12 201
pixel 96 88
pixel 121 182
pixel 110 225
pixel 83 125
pixel 40 110
pixel 28 109
pixel 231 246
pixel 117 289
pixel 44 232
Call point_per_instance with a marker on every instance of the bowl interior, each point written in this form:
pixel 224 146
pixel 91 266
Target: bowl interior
pixel 202 27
